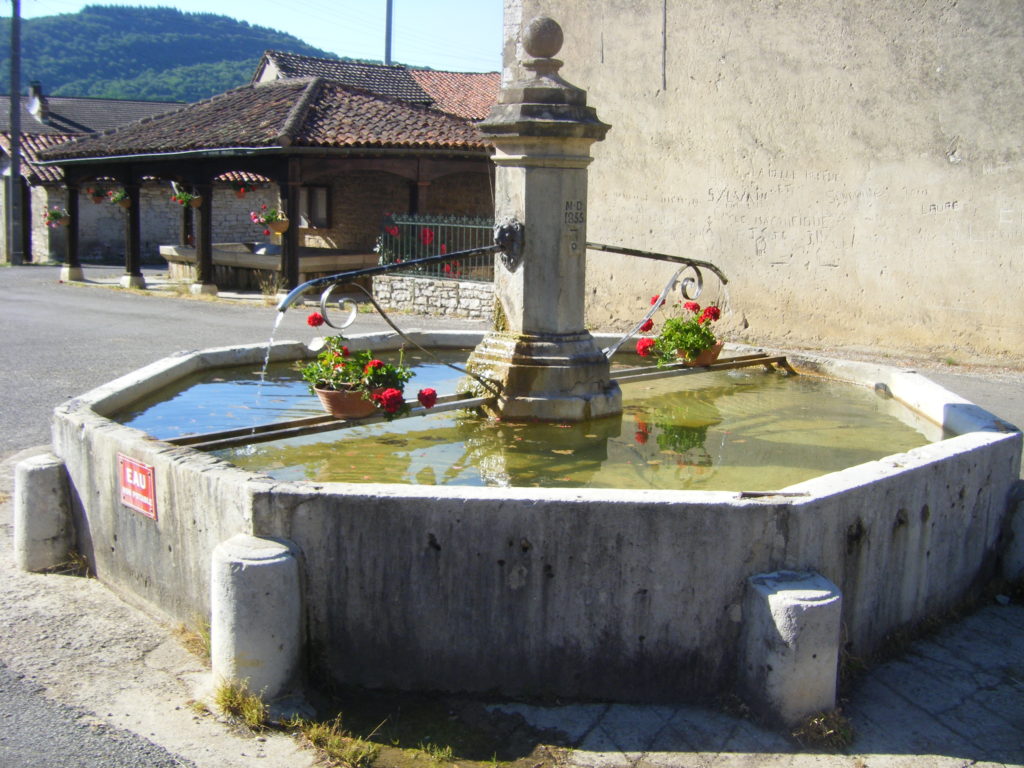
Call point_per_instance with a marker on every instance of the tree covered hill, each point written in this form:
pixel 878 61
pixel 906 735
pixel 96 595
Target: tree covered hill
pixel 141 53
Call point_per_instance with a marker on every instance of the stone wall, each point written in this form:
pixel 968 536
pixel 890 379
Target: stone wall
pixel 856 168
pixel 451 298
pixel 102 225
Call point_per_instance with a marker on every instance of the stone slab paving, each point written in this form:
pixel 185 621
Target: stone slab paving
pixel 955 699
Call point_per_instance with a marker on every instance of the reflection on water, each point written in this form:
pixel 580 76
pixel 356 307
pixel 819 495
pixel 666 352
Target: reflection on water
pixel 735 430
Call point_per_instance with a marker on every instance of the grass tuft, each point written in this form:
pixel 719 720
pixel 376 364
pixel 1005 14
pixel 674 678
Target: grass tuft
pixel 234 700
pixel 336 745
pixel 825 730
pixel 75 565
pixel 195 639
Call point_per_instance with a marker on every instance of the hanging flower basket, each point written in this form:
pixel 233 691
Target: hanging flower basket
pixel 278 227
pixel 120 197
pixel 95 195
pixel 56 217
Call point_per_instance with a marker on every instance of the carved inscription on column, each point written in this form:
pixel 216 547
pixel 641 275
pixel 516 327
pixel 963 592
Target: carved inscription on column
pixel 574 217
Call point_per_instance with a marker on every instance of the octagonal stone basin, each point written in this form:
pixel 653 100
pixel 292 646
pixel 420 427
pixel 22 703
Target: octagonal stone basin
pixel 581 593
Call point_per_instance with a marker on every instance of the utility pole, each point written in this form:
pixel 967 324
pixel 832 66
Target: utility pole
pixel 15 236
pixel 387 36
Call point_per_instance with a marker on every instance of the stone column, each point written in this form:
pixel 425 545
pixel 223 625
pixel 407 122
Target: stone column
pixel 546 362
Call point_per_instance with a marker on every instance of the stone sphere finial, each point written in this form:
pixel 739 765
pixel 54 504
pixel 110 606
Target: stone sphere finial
pixel 542 37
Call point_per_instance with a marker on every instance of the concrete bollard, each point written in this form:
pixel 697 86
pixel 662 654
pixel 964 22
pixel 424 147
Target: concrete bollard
pixel 43 530
pixel 256 614
pixel 1013 555
pixel 791 623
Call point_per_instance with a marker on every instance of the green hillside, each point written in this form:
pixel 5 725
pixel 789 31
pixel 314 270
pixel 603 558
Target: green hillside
pixel 141 53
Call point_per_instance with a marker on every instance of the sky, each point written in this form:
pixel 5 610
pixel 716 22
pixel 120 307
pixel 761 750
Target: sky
pixel 457 35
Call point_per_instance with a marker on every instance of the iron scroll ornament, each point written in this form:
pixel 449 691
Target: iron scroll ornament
pixel 690 287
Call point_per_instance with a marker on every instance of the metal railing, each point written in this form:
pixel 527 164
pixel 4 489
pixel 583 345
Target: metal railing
pixel 408 237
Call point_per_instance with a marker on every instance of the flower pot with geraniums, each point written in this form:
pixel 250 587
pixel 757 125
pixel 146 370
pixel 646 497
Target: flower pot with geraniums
pixel 56 217
pixel 271 219
pixel 96 195
pixel 241 188
pixel 184 198
pixel 120 197
pixel 353 385
pixel 684 338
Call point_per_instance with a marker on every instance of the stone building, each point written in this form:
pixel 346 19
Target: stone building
pixel 47 121
pixel 856 168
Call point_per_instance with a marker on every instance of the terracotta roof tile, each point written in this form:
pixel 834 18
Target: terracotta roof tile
pixel 282 112
pixel 31 145
pixel 466 94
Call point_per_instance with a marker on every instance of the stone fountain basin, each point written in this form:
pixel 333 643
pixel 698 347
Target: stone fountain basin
pixel 623 595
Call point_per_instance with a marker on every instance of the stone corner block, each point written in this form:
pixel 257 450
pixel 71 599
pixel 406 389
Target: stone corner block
pixel 256 614
pixel 790 644
pixel 43 528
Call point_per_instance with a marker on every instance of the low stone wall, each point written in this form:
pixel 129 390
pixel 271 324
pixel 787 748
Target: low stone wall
pixel 625 595
pixel 451 298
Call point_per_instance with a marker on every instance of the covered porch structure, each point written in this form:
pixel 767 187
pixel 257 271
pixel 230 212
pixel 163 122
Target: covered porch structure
pixel 341 159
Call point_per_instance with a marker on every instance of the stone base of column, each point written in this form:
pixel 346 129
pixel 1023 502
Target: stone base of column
pixel 790 656
pixel 203 289
pixel 546 377
pixel 133 281
pixel 71 274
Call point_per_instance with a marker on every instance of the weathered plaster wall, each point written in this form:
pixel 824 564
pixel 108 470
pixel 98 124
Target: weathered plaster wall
pixel 855 167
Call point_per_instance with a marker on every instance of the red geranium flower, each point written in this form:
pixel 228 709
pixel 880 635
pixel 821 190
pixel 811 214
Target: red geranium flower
pixel 344 351
pixel 640 436
pixel 427 397
pixel 373 364
pixel 266 231
pixel 643 346
pixel 315 319
pixel 390 400
pixel 648 324
pixel 691 306
pixel 654 299
pixel 447 268
pixel 426 235
pixel 710 313
pixel 444 248
pixel 392 230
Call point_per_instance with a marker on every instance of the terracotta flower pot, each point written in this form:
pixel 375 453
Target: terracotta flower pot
pixel 97 199
pixel 705 357
pixel 345 404
pixel 126 203
pixel 278 227
pixel 195 202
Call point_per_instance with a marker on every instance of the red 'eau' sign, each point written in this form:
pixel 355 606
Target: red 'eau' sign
pixel 135 482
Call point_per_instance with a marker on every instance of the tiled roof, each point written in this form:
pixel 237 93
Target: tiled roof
pixel 75 115
pixel 466 94
pixel 281 113
pixel 31 145
pixel 392 81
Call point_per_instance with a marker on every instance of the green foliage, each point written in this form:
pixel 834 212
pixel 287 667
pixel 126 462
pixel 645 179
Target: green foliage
pixel 337 368
pixel 142 53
